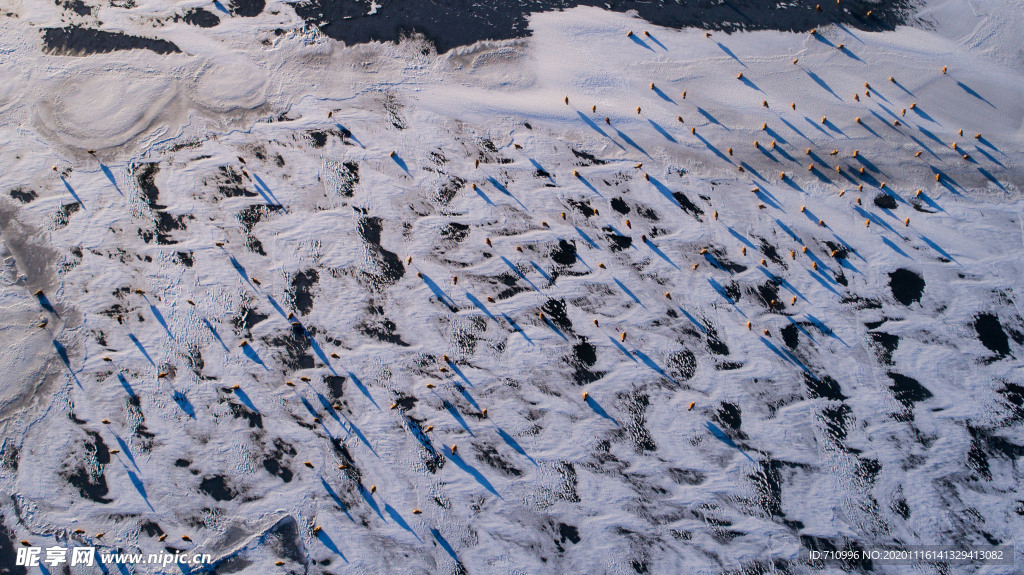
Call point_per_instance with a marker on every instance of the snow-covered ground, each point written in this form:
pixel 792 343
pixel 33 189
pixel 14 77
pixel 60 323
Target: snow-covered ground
pixel 280 280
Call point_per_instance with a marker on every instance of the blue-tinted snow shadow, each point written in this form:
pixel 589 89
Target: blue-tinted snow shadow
pixel 138 344
pixel 513 443
pixel 461 464
pixel 515 327
pixel 600 410
pixel 627 291
pixel 329 544
pixel 398 519
pixel 630 141
pixel 362 388
pixel 183 402
pixel 662 131
pixel 721 436
pixel 72 192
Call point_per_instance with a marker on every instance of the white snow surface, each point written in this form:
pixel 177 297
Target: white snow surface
pixel 251 177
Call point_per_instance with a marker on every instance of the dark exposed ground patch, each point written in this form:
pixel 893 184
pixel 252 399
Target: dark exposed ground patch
pixel 301 291
pixel 348 178
pixel 556 311
pixel 247 8
pixel 729 415
pixel 377 325
pixel 617 242
pixel 247 318
pixel 682 365
pixel 636 404
pixel 455 232
pixel 186 259
pixel 837 419
pixel 688 206
pixel 240 411
pixel 885 345
pixel 217 487
pixel 985 444
pixel 620 205
pixel 488 454
pixel 885 201
pixel 87 475
pixel 447 190
pixel 584 356
pixel 7 552
pixel 77 41
pixel 582 207
pixel 1013 399
pixel 906 286
pixel 318 137
pixel 23 195
pixel 991 334
pixel 201 18
pixel 389 265
pixel 463 22
pixel 567 533
pixel 229 183
pixel 791 336
pixel 335 385
pixel 274 460
pixel 687 476
pixel 585 159
pixel 564 253
pixel 824 386
pixel 293 349
pixel 907 390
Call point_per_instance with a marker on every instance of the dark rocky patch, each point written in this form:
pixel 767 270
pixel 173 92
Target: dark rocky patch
pixel 274 460
pixel 247 8
pixel 78 41
pixel 824 386
pixel 583 158
pixel 87 475
pixel 688 206
pixel 907 390
pixel 240 411
pixel 617 242
pixel 619 205
pixel 906 286
pixel 318 137
pixel 229 183
pixel 687 476
pixel 582 207
pixel 556 311
pixel 301 291
pixel 636 404
pixel 489 455
pixel 584 356
pixel 885 201
pixel 463 22
pixel 335 385
pixel 885 345
pixel 791 336
pixel 682 365
pixel 564 253
pixel 293 349
pixel 217 488
pixel 186 259
pixel 201 18
pixel 455 232
pixel 991 334
pixel 7 552
pixel 23 195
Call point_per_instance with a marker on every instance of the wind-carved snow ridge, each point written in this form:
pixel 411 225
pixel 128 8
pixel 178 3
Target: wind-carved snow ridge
pixel 539 306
